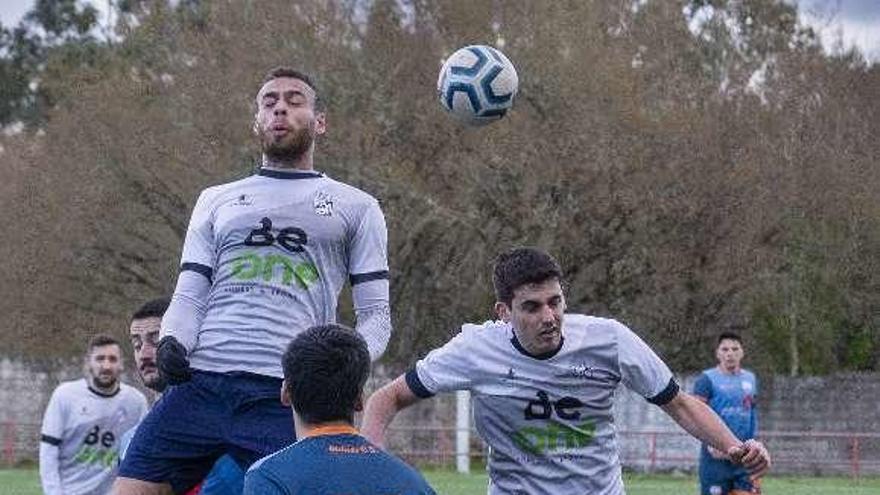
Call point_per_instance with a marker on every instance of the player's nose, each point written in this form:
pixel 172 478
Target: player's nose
pixel 149 352
pixel 548 315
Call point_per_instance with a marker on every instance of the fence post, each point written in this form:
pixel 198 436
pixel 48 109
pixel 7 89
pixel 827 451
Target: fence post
pixel 463 431
pixel 9 443
pixel 855 457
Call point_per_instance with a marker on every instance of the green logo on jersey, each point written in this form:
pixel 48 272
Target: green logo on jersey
pixel 270 267
pixel 98 448
pixel 89 454
pixel 536 440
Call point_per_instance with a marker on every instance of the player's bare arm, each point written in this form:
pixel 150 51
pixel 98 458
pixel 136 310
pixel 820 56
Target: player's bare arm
pixel 383 406
pixel 715 453
pixel 699 420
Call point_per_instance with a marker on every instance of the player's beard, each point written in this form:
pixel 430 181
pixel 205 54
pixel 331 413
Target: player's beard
pixel 289 147
pixel 105 381
pixel 151 377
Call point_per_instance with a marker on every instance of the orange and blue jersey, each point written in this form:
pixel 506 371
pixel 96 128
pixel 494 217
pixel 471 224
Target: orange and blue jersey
pixel 333 460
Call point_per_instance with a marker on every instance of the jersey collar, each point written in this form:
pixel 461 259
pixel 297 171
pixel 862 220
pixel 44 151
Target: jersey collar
pixel 331 430
pixel 544 356
pixel 104 394
pixel 289 174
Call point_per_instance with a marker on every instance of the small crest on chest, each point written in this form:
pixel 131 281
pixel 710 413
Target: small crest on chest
pixel 323 204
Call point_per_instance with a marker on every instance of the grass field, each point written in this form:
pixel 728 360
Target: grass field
pixel 26 482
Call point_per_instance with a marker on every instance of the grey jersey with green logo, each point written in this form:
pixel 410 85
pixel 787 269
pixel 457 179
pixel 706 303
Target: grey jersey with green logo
pixel 548 422
pixel 86 427
pixel 278 248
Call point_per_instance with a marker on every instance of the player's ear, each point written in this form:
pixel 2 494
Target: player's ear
pixel 320 123
pixel 359 403
pixel 503 311
pixel 285 394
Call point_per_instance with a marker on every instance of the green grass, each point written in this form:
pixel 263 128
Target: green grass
pixel 20 482
pixel 26 482
pixel 450 483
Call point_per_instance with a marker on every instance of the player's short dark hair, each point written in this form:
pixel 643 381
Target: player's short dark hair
pixel 521 266
pixel 154 308
pixel 284 71
pixel 101 340
pixel 728 336
pixel 326 368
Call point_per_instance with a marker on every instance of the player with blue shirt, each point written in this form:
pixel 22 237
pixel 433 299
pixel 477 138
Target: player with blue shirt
pixel 325 369
pixel 543 384
pixel 264 258
pixel 730 391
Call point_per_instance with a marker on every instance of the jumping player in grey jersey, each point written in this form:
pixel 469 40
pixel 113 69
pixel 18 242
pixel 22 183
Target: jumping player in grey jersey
pixel 543 385
pixel 263 258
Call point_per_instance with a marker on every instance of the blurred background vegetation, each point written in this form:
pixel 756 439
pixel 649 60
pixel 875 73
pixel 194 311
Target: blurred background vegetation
pixel 696 166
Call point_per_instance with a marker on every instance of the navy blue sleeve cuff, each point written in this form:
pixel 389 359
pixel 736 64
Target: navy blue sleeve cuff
pixel 205 270
pixel 50 440
pixel 359 278
pixel 416 385
pixel 667 394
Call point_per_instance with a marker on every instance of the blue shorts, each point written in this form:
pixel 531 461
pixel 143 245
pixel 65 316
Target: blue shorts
pixel 720 477
pixel 195 423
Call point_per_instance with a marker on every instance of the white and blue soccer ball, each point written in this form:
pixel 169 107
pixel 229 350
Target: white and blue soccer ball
pixel 477 84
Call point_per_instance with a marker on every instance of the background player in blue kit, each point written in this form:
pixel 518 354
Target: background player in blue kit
pixel 325 369
pixel 730 391
pixel 264 258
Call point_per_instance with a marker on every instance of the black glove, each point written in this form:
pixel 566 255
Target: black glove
pixel 172 362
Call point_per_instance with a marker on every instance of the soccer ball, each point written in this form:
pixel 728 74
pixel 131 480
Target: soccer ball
pixel 477 84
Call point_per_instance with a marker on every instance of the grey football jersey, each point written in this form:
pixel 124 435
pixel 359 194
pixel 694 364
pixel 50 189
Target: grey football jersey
pixel 278 248
pixel 86 427
pixel 548 422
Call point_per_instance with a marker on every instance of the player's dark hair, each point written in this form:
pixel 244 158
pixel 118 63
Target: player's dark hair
pixel 101 340
pixel 521 266
pixel 283 71
pixel 154 308
pixel 729 336
pixel 326 368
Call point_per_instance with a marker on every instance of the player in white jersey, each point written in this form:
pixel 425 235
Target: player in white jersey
pixel 543 385
pixel 264 258
pixel 83 423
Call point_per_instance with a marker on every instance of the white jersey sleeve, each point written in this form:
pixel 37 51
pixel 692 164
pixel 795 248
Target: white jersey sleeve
pixel 373 312
pixel 447 368
pixel 368 275
pixel 51 432
pixel 368 259
pixel 184 316
pixel 642 371
pixel 198 246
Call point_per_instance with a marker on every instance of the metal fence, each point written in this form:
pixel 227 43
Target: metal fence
pixel 794 452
